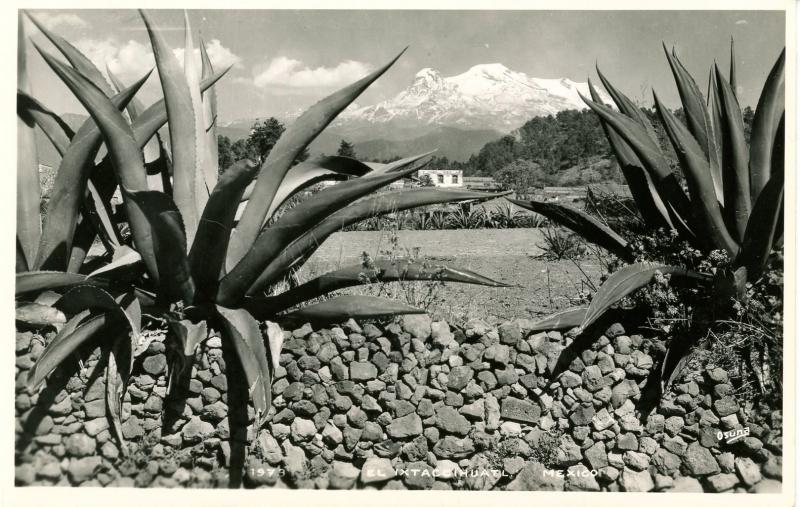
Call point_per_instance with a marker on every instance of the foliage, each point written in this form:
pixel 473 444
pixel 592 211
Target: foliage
pixel 560 243
pixel 187 262
pixel 725 226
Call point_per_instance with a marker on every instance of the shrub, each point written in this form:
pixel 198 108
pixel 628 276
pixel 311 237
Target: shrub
pixel 734 202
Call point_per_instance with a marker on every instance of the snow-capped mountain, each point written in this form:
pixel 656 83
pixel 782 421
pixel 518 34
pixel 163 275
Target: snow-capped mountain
pixel 487 96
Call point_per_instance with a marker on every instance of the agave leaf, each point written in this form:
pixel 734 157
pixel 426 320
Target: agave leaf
pixel 78 60
pixel 313 171
pixel 340 308
pixel 127 161
pixel 628 108
pixel 715 111
pixel 98 211
pixel 380 271
pixel 189 335
pixel 274 343
pixel 654 161
pixel 73 335
pixel 135 109
pixel 118 371
pixel 735 171
pixel 678 353
pixel 47 298
pixel 207 255
pixel 732 74
pixel 29 225
pixel 762 228
pixel 641 186
pixel 169 244
pixel 57 131
pixel 292 225
pixel 389 202
pixel 34 281
pixel 21 263
pixel 211 157
pixel 39 315
pixel 89 297
pixel 582 223
pixel 293 141
pixel 698 173
pixel 765 126
pixel 698 119
pixel 397 165
pixel 182 128
pixel 625 281
pixel 565 319
pixel 243 332
pixel 124 258
pixel 154 117
pixel 203 185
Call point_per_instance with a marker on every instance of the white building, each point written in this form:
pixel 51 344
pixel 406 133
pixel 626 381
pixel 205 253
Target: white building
pixel 443 177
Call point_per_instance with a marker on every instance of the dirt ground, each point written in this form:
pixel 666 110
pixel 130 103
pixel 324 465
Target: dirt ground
pixel 505 255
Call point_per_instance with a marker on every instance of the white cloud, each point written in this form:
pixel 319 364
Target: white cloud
pixel 287 73
pixel 55 20
pixel 741 22
pixel 220 56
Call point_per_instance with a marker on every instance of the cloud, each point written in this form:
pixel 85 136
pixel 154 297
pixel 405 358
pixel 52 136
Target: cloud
pixel 741 22
pixel 220 56
pixel 53 21
pixel 289 74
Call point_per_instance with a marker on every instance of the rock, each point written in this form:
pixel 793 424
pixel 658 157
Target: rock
pixel 535 477
pixel 407 426
pixel 580 478
pixel 623 391
pixel 570 379
pixel 474 410
pixel 510 333
pixel 520 410
pixel 449 420
pixel 451 447
pixel 636 460
pixel 94 426
pixel 303 429
pixel 342 475
pixel 768 486
pixel 593 378
pixel 722 482
pixel 440 332
pixel 446 469
pixel 748 471
pixel 726 406
pixel 686 485
pixel 83 469
pixel 636 481
pixel 458 377
pixel 155 365
pixel 80 445
pixel 376 470
pixel 418 475
pixel 597 456
pixel 363 371
pixel 417 325
pixel 401 407
pixel 627 442
pixel 602 420
pixel 699 460
pixel 196 430
pixel 583 415
pixel 568 452
pixel 492 412
pixel 673 425
pixel 510 429
pixel 24 474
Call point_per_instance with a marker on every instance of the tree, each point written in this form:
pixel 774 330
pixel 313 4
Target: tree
pixel 520 176
pixel 263 137
pixel 425 180
pixel 225 155
pixel 346 150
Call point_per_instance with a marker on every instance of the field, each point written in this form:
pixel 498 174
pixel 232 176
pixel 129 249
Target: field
pixel 509 256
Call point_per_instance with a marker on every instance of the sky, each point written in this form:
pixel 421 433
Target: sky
pixel 285 60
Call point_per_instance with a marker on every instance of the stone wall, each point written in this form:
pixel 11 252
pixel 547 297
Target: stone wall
pixel 415 404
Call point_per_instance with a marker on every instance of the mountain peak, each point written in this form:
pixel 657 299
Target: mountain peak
pixel 485 96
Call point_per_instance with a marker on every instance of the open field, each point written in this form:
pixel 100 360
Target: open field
pixel 508 256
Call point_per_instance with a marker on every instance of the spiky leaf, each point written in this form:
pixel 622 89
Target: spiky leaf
pixel 565 319
pixel 242 330
pixel 291 144
pixel 340 308
pixel 625 281
pixel 39 315
pixel 29 225
pixel 765 125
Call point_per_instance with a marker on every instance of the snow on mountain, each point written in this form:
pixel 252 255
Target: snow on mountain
pixel 487 96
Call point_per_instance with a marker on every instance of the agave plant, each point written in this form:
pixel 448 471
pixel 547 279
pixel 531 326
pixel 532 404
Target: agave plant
pixel 729 196
pixel 187 260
